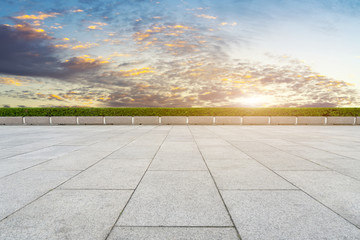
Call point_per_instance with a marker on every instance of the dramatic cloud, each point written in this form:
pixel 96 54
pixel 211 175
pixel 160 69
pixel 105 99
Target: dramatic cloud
pixel 179 54
pixel 27 52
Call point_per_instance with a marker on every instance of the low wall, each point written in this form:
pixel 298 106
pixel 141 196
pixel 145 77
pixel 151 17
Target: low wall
pixel 180 120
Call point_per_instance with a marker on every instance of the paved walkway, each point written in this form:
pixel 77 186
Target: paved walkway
pixel 179 182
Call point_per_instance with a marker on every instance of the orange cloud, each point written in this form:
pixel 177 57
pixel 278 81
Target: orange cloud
pixel 116 54
pixel 94 27
pixel 84 46
pixel 31 32
pixel 205 16
pixel 179 27
pixel 36 23
pixel 57 27
pixel 10 81
pixel 171 30
pixel 40 16
pixel 135 71
pixel 84 62
pixel 62 46
pixel 99 23
pixel 141 36
pixel 77 10
pixel 56 97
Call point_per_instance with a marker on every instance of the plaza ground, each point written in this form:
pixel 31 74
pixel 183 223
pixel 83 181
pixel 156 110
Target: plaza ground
pixel 179 182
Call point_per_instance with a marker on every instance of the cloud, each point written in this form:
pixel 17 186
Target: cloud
pixel 25 52
pixel 40 16
pixel 30 32
pixel 62 46
pixel 84 62
pixel 94 27
pixel 172 60
pixel 135 72
pixel 84 46
pixel 55 97
pixel 205 16
pixel 99 23
pixel 10 81
pixel 77 10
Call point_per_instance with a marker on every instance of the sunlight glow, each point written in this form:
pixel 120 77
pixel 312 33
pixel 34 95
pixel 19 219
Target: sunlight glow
pixel 254 101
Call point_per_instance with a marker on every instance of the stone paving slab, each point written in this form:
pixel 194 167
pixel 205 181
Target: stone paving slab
pixel 285 215
pixel 7 153
pixel 173 233
pixel 252 146
pixel 21 188
pixel 245 174
pixel 338 192
pixel 222 152
pixel 12 165
pixel 279 160
pixel 110 174
pixel 77 160
pixel 66 214
pixel 182 182
pixel 47 152
pixel 175 198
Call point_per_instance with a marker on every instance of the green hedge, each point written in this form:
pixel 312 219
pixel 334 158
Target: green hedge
pixel 179 111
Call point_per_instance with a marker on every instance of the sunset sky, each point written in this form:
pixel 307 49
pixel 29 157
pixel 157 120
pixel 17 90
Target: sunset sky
pixel 180 53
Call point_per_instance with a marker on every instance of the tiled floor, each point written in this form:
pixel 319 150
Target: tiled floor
pixel 179 182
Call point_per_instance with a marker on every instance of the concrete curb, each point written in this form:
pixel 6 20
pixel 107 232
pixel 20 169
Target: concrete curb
pixel 173 120
pixel 146 120
pixel 256 120
pixel 228 120
pixel 11 120
pixel 200 120
pixel 68 120
pixel 36 120
pixel 96 120
pixel 180 120
pixel 341 120
pixel 278 120
pixel 118 120
pixel 304 120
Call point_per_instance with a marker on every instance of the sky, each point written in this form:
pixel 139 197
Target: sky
pixel 180 53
